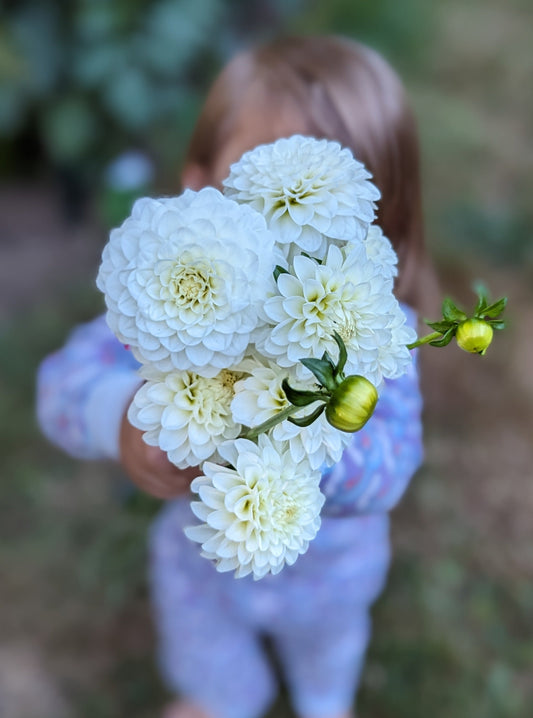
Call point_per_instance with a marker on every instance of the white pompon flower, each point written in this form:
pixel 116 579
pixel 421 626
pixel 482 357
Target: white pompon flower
pixel 380 250
pixel 347 293
pixel 395 358
pixel 320 442
pixel 312 192
pixel 174 290
pixel 185 414
pixel 260 512
pixel 260 396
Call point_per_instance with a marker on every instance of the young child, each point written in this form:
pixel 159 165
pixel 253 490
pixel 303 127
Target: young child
pixel 316 612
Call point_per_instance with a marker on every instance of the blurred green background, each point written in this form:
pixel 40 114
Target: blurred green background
pixel 84 81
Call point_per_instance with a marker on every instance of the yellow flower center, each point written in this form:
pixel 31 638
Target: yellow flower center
pixel 190 284
pixel 286 510
pixel 228 378
pixel 209 399
pixel 347 330
pixel 291 510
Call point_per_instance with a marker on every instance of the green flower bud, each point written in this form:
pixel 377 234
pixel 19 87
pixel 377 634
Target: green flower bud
pixel 474 336
pixel 351 404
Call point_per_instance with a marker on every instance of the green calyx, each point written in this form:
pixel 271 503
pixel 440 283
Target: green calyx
pixel 348 401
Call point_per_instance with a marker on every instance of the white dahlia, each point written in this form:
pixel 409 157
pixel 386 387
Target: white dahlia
pixel 185 414
pixel 260 512
pixel 380 251
pixel 311 192
pixel 260 396
pixel 394 357
pixel 347 293
pixel 177 280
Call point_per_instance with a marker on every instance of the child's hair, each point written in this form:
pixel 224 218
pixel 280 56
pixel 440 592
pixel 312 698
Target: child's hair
pixel 336 89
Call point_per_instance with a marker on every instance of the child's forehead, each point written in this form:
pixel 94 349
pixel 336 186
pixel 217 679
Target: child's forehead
pixel 252 128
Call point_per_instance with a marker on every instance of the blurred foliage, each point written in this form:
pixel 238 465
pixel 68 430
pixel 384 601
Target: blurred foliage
pixel 399 30
pixel 504 234
pixel 84 80
pixel 87 79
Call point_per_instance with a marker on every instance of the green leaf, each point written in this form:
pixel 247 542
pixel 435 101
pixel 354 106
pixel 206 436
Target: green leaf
pixel 300 398
pixel 322 370
pixel 451 313
pixel 441 326
pixel 279 270
pixel 445 339
pixel 307 420
pixel 497 323
pixel 326 357
pixel 483 297
pixel 337 372
pixel 493 310
pixel 69 129
pixel 304 254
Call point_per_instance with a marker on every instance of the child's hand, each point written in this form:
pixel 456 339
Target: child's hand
pixel 148 466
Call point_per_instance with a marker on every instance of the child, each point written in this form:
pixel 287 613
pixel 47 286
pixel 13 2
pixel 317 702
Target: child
pixel 316 612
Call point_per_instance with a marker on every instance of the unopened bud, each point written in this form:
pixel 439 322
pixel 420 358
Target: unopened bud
pixel 474 336
pixel 352 404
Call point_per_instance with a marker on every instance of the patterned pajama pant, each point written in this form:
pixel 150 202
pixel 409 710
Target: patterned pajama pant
pixel 315 614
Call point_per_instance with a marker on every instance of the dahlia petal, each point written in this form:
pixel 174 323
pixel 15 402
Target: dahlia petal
pixel 201 533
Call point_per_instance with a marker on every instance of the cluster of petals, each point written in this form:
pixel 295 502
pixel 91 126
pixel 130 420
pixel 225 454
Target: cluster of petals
pixel 395 359
pixel 259 512
pixel 312 192
pixel 346 293
pixel 260 396
pixel 185 414
pixel 173 289
pixel 380 250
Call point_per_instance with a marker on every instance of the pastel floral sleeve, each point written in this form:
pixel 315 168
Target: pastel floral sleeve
pixel 83 390
pixel 376 467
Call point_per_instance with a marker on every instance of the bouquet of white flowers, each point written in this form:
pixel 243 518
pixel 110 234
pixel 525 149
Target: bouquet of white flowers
pixel 265 323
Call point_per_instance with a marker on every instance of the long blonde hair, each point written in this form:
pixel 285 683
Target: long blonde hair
pixel 339 90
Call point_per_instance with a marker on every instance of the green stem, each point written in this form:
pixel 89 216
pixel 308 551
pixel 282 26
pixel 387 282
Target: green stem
pixel 425 340
pixel 254 432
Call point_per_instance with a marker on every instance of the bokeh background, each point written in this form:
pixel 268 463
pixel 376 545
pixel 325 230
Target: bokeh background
pixel 84 81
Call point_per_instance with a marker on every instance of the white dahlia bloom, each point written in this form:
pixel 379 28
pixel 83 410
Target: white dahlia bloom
pixel 260 396
pixel 174 290
pixel 260 512
pixel 185 414
pixel 380 250
pixel 394 357
pixel 347 294
pixel 311 192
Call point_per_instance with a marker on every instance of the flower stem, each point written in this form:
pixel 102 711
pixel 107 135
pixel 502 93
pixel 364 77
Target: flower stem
pixel 425 340
pixel 254 432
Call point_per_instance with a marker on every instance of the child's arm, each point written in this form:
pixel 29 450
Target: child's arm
pixel 377 466
pixel 83 389
pixel 83 392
